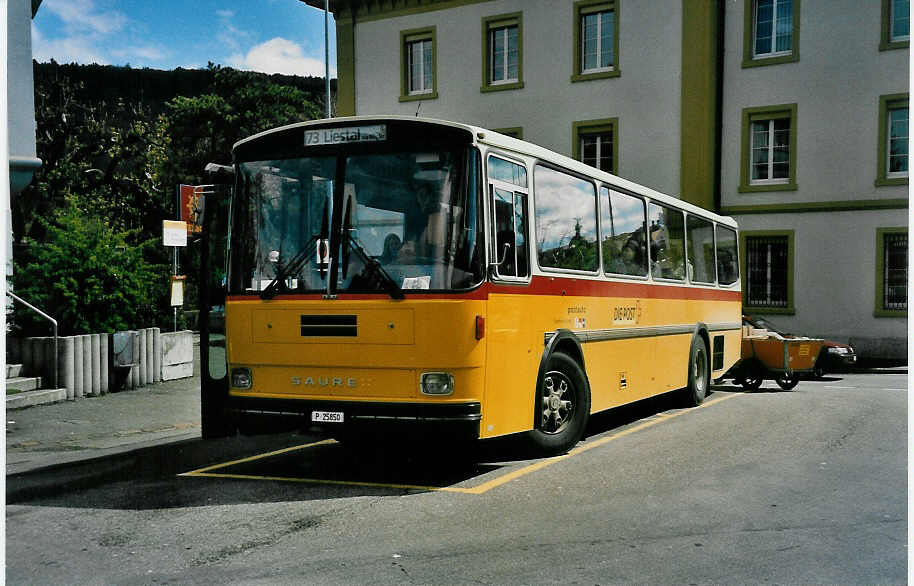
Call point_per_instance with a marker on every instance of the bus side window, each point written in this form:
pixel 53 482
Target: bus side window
pixel 727 258
pixel 510 233
pixel 667 242
pixel 623 229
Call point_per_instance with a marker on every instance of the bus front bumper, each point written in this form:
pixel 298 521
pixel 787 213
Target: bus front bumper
pixel 453 420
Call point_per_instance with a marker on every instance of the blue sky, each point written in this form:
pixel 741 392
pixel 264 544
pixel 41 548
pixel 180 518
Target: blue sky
pixel 271 36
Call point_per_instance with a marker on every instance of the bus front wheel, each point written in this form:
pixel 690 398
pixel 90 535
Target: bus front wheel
pixel 564 406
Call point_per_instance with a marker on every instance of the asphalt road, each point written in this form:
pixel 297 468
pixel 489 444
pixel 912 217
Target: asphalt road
pixel 768 487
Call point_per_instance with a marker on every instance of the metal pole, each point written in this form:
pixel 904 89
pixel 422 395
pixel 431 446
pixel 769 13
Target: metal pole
pixel 175 273
pixel 327 54
pixel 45 316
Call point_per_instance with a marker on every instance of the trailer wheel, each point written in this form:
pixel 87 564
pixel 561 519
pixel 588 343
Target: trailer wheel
pixel 787 381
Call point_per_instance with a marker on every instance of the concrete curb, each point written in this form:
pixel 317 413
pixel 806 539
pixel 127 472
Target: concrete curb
pixel 32 398
pixel 75 471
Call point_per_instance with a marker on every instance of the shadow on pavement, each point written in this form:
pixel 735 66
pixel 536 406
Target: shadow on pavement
pixel 287 467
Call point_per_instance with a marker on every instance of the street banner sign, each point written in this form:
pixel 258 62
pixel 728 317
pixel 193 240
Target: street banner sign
pixel 191 200
pixel 177 290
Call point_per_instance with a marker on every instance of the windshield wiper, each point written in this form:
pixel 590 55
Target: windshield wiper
pixel 373 268
pixel 290 268
pixel 298 261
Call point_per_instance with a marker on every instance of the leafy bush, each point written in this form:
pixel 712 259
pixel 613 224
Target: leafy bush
pixel 89 277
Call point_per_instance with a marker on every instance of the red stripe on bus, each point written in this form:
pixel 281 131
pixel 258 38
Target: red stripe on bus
pixel 540 285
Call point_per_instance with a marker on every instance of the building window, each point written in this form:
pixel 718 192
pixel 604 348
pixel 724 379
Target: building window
pixel 893 140
pixel 771 32
pixel 596 40
pixel 503 64
pixel 891 272
pixel 896 24
pixel 769 149
pixel 502 52
pixel 596 142
pixel 898 142
pixel 769 267
pixel 418 65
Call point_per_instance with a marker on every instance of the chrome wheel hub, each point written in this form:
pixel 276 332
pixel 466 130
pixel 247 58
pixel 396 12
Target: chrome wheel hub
pixel 558 402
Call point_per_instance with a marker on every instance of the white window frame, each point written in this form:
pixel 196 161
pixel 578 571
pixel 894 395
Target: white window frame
pixel 774 31
pixel 515 189
pixel 599 14
pixel 503 67
pixel 599 136
pixel 424 44
pixel 888 146
pixel 770 162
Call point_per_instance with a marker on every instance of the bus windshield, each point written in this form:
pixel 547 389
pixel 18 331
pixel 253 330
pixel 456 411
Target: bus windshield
pixel 395 221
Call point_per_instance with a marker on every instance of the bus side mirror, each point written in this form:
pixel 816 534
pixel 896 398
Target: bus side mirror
pixel 217 169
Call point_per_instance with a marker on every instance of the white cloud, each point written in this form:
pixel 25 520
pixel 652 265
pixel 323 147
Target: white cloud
pixel 90 34
pixel 279 55
pixel 81 17
pixel 66 50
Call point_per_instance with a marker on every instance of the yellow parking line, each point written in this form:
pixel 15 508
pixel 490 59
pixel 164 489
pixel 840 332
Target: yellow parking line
pixel 200 471
pixel 475 490
pixel 328 481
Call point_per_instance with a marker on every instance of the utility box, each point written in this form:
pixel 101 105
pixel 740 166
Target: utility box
pixel 122 357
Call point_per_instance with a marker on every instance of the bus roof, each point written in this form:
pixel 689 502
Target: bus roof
pixel 492 138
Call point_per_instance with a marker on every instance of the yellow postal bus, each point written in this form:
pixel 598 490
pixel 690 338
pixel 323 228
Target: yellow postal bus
pixel 426 276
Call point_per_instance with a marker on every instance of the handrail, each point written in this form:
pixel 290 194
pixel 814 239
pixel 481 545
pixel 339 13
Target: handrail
pixel 45 316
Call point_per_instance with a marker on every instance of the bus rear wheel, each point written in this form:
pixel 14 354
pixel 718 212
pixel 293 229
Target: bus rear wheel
pixel 564 406
pixel 699 373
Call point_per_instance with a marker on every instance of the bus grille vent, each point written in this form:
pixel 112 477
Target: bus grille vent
pixel 329 325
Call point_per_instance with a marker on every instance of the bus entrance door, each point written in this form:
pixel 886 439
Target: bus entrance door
pixel 214 383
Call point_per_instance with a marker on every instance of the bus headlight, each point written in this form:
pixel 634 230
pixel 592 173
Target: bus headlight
pixel 437 383
pixel 241 378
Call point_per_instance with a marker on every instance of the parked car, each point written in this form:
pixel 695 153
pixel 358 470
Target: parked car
pixel 833 356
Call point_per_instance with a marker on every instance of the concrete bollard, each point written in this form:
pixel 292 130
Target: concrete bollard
pixel 14 350
pixel 150 357
pixel 141 362
pixel 78 389
pixel 104 363
pixel 47 363
pixel 37 353
pixel 27 357
pixel 135 371
pixel 96 370
pixel 87 364
pixel 157 354
pixel 65 367
pixel 38 358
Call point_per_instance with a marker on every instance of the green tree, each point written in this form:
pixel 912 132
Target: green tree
pixel 196 130
pixel 90 277
pixel 95 154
